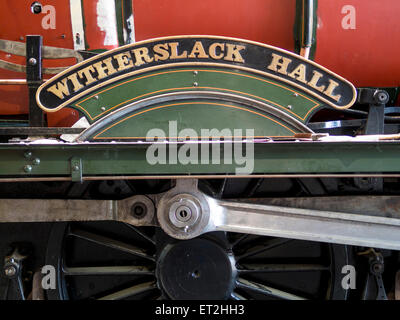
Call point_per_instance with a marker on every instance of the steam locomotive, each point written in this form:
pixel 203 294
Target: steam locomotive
pixel 228 150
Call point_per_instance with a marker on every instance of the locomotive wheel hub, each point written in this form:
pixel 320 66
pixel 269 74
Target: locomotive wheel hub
pixel 183 212
pixel 196 269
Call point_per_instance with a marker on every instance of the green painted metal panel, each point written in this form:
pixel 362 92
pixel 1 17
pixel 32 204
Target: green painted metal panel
pixel 198 119
pixel 109 98
pixel 130 159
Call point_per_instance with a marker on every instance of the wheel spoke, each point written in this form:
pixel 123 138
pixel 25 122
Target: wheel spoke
pixel 263 246
pixel 294 267
pixel 111 243
pixel 239 240
pixel 142 234
pixel 265 290
pixel 222 189
pixel 237 296
pixel 253 187
pixel 108 270
pixel 128 292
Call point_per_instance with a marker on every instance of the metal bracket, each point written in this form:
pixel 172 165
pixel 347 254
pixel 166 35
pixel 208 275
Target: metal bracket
pixel 376 99
pixel 374 288
pixel 76 169
pixel 12 270
pixel 376 119
pixel 34 78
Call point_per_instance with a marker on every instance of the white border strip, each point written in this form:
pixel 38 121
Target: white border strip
pixel 75 7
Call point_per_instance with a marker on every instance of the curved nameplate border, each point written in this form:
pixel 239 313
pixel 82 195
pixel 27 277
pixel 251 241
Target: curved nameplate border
pixel 191 51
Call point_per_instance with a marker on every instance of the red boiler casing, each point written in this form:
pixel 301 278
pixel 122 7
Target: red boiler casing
pixel 357 39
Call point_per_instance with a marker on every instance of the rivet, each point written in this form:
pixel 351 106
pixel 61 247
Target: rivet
pixel 195 84
pixel 27 168
pixel 195 72
pixel 28 154
pixel 289 107
pixel 10 271
pixel 296 94
pixel 36 161
pixel 96 97
pixel 103 109
pixel 32 61
pixel 75 168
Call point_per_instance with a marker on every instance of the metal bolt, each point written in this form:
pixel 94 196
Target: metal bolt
pixel 195 84
pixel 183 213
pixel 96 97
pixel 381 96
pixel 377 268
pixel 196 274
pixel 21 38
pixel 195 73
pixel 36 7
pixel 103 109
pixel 296 94
pixel 27 154
pixel 139 210
pixel 27 168
pixel 32 61
pixel 75 168
pixel 36 161
pixel 10 271
pixel 289 107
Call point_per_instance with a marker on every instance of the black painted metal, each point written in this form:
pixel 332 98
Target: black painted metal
pixel 307 31
pixel 377 100
pixel 376 119
pixel 372 96
pixel 34 78
pixel 196 269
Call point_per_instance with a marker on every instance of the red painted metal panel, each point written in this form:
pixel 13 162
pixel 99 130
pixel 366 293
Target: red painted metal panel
pixel 267 21
pixel 17 21
pixel 368 55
